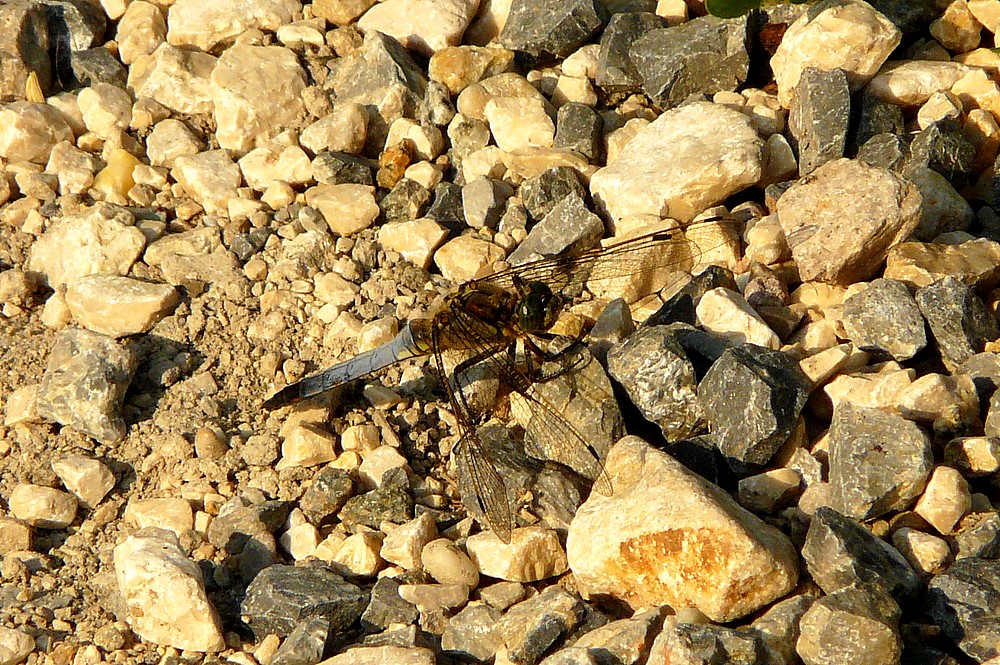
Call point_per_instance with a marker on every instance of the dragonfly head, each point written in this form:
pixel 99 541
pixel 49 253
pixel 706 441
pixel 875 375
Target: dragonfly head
pixel 538 307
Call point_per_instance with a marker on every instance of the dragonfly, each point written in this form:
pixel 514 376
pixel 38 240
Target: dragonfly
pixel 504 321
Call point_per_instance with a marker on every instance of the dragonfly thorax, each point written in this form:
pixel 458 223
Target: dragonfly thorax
pixel 538 308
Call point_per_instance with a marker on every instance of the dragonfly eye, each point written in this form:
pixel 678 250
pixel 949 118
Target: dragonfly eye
pixel 536 310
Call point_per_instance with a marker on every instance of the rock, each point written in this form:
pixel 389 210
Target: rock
pixel 943 148
pixel 841 554
pixel 912 82
pixel 473 633
pixel 88 478
pixel 534 553
pixel 389 503
pixel 701 137
pixel 305 445
pixel 195 258
pixel 342 130
pixel 30 130
pixel 172 514
pixel 341 12
pixel 819 117
pixel 963 601
pixel 534 626
pixel 948 403
pixel 729 316
pixel 423 26
pixel 305 644
pixel 169 140
pixel 165 594
pixel 878 461
pixel 946 499
pixel 839 237
pixel 551 27
pixel 578 128
pixel 625 639
pixel 119 306
pixel 979 536
pixel 335 168
pixel 975 262
pixel 347 208
pixel 358 555
pixel 926 554
pixel 660 380
pixel 770 491
pixel 255 90
pixel 460 66
pixel 403 544
pixel 958 319
pixel 432 599
pixel 705 55
pixel 752 398
pixel 858 624
pixel 210 178
pixel 974 456
pixel 466 257
pixel 282 596
pixel 262 166
pixel 837 34
pixel 25 39
pixel 942 209
pixel 569 226
pixel 386 607
pixel 85 382
pixel 207 27
pixel 405 202
pixel 383 655
pixel 616 72
pixel 104 241
pixel 415 240
pixel 141 29
pixel 686 642
pixel 96 65
pixel 106 109
pixel 42 507
pixel 448 564
pixel 884 319
pixel 519 122
pixel 176 78
pixel 15 645
pixel 628 545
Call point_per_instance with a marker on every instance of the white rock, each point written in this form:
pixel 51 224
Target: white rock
pixel 957 29
pixel 173 514
pixel 170 139
pixel 257 90
pixel 300 541
pixel 89 479
pixel 21 406
pixel 359 554
pixel 945 500
pixel 307 445
pixel 164 593
pixel 43 507
pixel 427 140
pixel 534 553
pixel 103 241
pixel 15 646
pixel 264 165
pixel 926 553
pixel 106 109
pixel 386 655
pixel 987 12
pixel 431 598
pixel 343 130
pixel 378 462
pixel 448 564
pixel 140 31
pixel 206 25
pixel 727 314
pixel 74 167
pixel 119 306
pixel 690 158
pixel 911 83
pixel 28 131
pixel 174 77
pixel 210 178
pixel 415 240
pixel 347 208
pixel 849 35
pixel 404 543
pixel 423 26
pixel 667 536
pixel 519 122
pixel 467 257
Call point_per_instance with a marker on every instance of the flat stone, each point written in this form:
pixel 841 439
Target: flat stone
pixel 975 262
pixel 171 513
pixel 347 208
pixel 839 237
pixel 255 89
pixel 646 543
pixel 119 306
pixel 42 507
pixel 550 27
pixel 819 117
pixel 422 26
pixel 28 131
pixel 164 593
pixel 838 34
pixel 207 27
pixel 85 382
pixel 681 153
pixel 177 78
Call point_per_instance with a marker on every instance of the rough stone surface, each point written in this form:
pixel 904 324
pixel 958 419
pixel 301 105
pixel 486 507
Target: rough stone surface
pixel 963 600
pixel 885 319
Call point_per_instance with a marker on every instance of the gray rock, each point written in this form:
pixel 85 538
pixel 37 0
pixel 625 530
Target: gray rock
pixel 858 624
pixel 473 633
pixel 468 135
pixel 483 202
pixel 660 380
pixel 391 502
pixel 979 536
pixel 965 601
pixel 875 117
pixel 944 148
pixel 909 17
pixel 568 227
pixel 305 644
pixel 885 319
pixel 280 597
pixel 405 201
pixel 879 461
pixel 245 528
pixel 819 117
pixel 752 398
pixel 984 368
pixel 959 320
pixel 85 382
pixel 386 607
pixel 705 643
pixel 437 108
pixel 379 67
pixel 551 28
pixel 24 39
pixel 533 626
pixel 840 553
pixel 337 168
pixel 546 190
pixel 96 65
pixel 77 24
pixel 779 628
pixel 887 151
pixel 556 496
pixel 330 489
pixel 612 327
pixel 616 73
pixel 702 56
pixel 578 127
pixel 622 641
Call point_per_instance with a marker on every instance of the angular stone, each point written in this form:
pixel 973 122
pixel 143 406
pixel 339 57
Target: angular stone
pixel 943 148
pixel 705 55
pixel 884 318
pixel 28 131
pixel 519 122
pixel 422 26
pixel 210 178
pixel 25 39
pixel 262 166
pixel 85 382
pixel 534 553
pixel 347 208
pixel 164 593
pixel 141 29
pixel 726 314
pixel 694 157
pixel 460 66
pixel 174 77
pixel 616 73
pixel 88 478
pixel 338 168
pixel 119 306
pixel 687 642
pixel 837 236
pixel 945 500
pixel 543 192
pixel 964 601
pixel 551 27
pixel 534 626
pixel 207 26
pixel 819 117
pixel 578 128
pixel 415 240
pixel 42 507
pixel 386 607
pixel 975 262
pixel 172 514
pixel 568 226
pixel 305 644
pixel 859 624
pixel 942 209
pixel 752 397
pixel 648 543
pixel 841 554
pixel 473 633
pixel 959 321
